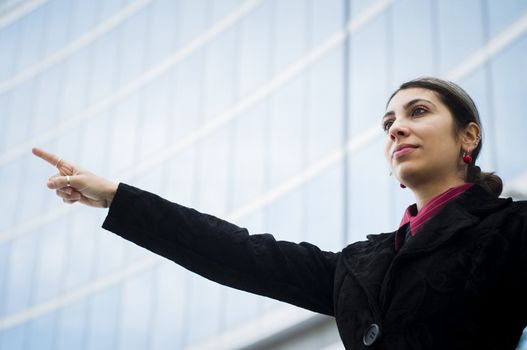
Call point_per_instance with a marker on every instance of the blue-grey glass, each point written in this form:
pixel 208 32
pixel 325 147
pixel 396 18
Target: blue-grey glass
pixel 255 52
pixel 501 14
pixel 325 210
pixel 249 156
pixel 103 322
pixel 456 17
pixel 57 25
pixel 509 76
pixel 290 37
pixel 135 312
pixel 41 332
pixel 9 42
pixel 476 84
pixel 168 309
pixel 71 326
pixel 287 134
pixel 324 114
pixel 368 64
pixel 214 169
pixel 204 307
pixel 221 70
pixel 369 185
pixel 414 51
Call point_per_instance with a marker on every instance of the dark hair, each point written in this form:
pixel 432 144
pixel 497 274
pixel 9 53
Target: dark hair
pixel 464 111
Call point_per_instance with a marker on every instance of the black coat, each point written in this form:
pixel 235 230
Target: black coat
pixel 460 283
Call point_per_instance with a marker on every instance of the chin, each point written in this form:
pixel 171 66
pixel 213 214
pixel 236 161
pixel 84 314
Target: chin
pixel 406 172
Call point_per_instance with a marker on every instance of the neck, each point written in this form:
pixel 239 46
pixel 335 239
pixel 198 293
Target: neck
pixel 425 192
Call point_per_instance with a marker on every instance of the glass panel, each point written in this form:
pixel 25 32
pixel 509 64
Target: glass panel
pixel 154 131
pixel 369 205
pixel 71 326
pixel 289 27
pixel 249 155
pixel 84 17
pixel 19 114
pixel 14 338
pixel 503 13
pixel 41 333
pixel 509 77
pixel 20 276
pixel 124 128
pixel 48 97
pixel 325 114
pixel 104 317
pixel 9 42
pixel 50 262
pixel 12 174
pixel 369 76
pixel 457 17
pixel 83 242
pixel 132 46
pixel 476 86
pixel 414 51
pixel 327 17
pixel 105 66
pixel 287 139
pixel 164 28
pixel 135 312
pixel 75 84
pixel 255 48
pixel 286 216
pixel 204 310
pixel 324 217
pixel 194 19
pixel 213 172
pixel 58 25
pixel 221 66
pixel 169 304
pixel 30 46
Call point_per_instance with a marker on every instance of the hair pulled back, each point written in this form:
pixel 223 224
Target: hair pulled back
pixel 464 111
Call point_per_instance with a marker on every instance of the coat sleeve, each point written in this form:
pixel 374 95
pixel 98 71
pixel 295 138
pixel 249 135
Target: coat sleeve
pixel 299 274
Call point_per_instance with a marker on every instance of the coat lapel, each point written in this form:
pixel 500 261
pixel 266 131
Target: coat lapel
pixel 465 211
pixel 371 263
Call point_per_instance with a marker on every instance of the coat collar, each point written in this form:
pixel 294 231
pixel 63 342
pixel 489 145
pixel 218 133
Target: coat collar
pixel 466 210
pixel 369 261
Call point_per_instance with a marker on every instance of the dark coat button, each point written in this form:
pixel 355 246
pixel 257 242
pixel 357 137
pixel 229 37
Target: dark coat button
pixel 371 334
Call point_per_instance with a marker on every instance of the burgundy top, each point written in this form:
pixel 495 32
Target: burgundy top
pixel 416 220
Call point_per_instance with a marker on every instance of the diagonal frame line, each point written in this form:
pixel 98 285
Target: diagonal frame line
pixel 132 86
pixel 74 46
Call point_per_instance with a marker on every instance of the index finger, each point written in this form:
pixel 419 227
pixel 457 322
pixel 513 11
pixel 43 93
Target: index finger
pixel 48 157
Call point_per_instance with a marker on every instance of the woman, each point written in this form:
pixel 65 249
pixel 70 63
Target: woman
pixel 453 276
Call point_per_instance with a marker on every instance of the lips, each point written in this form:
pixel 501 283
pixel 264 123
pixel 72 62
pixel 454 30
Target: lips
pixel 403 149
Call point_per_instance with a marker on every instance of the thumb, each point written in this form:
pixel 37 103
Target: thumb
pixel 59 181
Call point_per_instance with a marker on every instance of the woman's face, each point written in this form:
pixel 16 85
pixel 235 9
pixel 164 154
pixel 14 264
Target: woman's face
pixel 420 142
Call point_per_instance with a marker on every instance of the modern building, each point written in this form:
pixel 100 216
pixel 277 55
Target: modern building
pixel 263 112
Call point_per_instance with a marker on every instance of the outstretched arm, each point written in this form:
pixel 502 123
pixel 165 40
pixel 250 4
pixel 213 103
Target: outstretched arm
pixel 299 274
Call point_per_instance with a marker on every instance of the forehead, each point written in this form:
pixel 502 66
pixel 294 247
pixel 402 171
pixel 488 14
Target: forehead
pixel 402 97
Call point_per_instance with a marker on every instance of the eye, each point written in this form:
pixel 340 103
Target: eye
pixel 418 110
pixel 386 125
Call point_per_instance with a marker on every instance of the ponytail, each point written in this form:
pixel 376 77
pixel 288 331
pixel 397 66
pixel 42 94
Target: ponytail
pixel 490 182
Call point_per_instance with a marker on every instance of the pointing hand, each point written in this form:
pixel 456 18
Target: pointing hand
pixel 74 184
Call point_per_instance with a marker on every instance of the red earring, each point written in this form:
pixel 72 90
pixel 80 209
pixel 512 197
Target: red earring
pixel 467 158
pixel 402 186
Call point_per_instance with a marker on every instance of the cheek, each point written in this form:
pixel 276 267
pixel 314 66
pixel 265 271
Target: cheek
pixel 387 148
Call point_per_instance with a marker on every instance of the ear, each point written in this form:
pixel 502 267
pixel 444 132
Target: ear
pixel 470 137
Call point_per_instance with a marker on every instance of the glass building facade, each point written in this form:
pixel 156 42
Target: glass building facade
pixel 263 112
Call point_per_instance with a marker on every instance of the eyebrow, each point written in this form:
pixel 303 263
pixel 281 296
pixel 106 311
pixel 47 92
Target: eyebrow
pixel 408 105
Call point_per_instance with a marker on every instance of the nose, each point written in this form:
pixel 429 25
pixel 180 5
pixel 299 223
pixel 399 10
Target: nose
pixel 398 130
